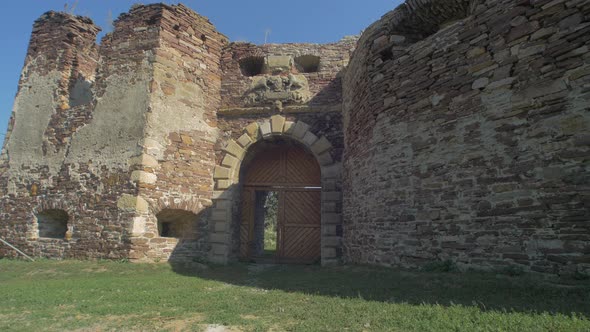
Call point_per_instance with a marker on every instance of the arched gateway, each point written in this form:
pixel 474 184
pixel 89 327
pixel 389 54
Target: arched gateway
pixel 285 171
pixel 288 159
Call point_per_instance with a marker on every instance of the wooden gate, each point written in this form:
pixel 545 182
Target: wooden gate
pixel 294 174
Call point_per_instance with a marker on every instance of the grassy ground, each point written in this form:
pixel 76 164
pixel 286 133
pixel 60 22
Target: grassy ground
pixel 103 296
pixel 270 239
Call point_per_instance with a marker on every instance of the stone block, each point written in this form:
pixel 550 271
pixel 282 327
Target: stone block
pixel 289 127
pixel 480 83
pixel 265 129
pixel 329 230
pixel 133 203
pixel 186 139
pixel 219 249
pixel 331 241
pixel 245 140
pixel 253 131
pixel 222 238
pixel 219 215
pixel 334 196
pixel 320 146
pixel 223 184
pixel 221 173
pixel 235 149
pixel 144 160
pixel 333 171
pixel 223 194
pixel 475 52
pixel 328 253
pixel 277 124
pixel 218 259
pixel 331 218
pixel 309 139
pixel 325 159
pixel 397 39
pixel 300 129
pixel 220 226
pixel 230 161
pixel 144 177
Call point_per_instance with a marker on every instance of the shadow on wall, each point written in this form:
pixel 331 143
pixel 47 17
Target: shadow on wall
pixel 182 235
pixel 331 94
pixel 486 291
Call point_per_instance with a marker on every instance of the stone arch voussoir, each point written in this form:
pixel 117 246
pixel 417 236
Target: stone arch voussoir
pixel 228 172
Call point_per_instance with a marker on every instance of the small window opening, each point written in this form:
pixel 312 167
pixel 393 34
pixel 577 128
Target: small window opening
pixel 307 63
pixel 387 54
pixel 252 66
pixel 52 223
pixel 80 92
pixel 165 229
pixel 266 223
pixel 175 223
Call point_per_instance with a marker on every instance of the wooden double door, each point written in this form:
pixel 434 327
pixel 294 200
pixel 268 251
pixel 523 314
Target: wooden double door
pixel 293 175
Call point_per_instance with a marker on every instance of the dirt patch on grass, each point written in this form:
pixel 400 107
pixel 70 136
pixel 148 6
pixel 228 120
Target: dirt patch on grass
pixel 221 328
pixel 95 270
pixel 143 323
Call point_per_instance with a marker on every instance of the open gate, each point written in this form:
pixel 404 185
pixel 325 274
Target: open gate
pixel 294 175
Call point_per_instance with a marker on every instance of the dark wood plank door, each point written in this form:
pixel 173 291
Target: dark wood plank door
pixel 295 175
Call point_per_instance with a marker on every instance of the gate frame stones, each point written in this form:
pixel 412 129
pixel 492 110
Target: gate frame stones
pixel 227 181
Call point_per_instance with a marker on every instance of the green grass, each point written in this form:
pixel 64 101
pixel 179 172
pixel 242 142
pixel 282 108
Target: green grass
pixel 74 295
pixel 270 239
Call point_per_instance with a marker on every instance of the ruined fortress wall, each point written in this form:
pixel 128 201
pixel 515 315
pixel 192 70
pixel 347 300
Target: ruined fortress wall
pixel 43 164
pixel 176 172
pixel 74 146
pixel 470 141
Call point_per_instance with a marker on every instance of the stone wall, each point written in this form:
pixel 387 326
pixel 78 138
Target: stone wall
pixel 322 85
pixel 287 93
pixel 450 130
pixel 176 171
pixel 43 163
pixel 467 139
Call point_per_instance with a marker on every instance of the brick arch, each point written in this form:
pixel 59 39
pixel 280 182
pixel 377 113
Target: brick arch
pixel 172 203
pixel 42 205
pixel 227 177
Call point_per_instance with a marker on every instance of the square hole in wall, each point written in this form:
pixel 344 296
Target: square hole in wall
pixel 176 223
pixel 52 224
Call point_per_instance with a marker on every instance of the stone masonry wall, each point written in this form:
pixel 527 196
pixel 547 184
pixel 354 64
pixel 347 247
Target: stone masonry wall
pixel 468 140
pixel 324 84
pixel 77 125
pixel 178 154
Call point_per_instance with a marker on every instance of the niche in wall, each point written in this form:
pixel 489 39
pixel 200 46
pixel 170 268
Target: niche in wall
pixel 175 223
pixel 52 224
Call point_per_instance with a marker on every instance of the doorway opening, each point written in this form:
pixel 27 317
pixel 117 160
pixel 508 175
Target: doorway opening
pixel 281 204
pixel 265 223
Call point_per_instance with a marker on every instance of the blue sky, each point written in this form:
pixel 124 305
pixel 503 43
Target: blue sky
pixel 314 21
